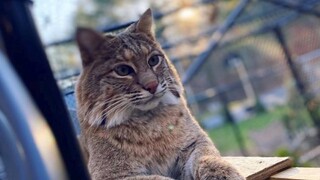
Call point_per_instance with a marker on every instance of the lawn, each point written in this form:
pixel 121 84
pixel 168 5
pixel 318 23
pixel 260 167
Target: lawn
pixel 224 137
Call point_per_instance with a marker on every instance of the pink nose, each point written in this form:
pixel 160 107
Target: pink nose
pixel 151 86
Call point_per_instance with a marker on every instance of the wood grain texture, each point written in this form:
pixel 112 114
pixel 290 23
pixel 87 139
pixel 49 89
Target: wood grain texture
pixel 256 168
pixel 298 173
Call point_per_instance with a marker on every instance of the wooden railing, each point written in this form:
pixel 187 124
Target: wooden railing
pixel 272 168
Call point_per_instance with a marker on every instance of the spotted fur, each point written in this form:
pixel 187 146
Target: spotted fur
pixel 134 119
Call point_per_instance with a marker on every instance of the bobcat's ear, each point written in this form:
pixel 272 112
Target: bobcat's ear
pixel 144 24
pixel 88 41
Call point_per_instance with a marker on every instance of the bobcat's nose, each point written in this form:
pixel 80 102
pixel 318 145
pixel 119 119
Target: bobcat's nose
pixel 151 86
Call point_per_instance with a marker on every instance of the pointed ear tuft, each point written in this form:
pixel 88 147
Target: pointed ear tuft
pixel 88 41
pixel 145 23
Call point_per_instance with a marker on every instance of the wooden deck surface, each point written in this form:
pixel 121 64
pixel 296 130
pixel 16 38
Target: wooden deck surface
pixel 298 173
pixel 256 168
pixel 272 168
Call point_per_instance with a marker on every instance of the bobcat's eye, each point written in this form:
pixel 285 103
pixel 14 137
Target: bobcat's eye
pixel 154 60
pixel 123 70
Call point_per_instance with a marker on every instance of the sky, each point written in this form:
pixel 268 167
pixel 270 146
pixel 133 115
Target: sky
pixel 54 18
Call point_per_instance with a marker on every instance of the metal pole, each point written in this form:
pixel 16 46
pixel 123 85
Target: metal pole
pixel 298 82
pixel 245 80
pixel 222 97
pixel 237 132
pixel 26 53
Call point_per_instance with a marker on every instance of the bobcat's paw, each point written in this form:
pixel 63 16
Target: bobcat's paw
pixel 216 169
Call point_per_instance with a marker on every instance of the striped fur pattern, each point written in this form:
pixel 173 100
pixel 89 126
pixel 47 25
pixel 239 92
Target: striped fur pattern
pixel 134 119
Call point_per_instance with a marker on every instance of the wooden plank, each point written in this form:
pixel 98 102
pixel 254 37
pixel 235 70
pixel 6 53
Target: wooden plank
pixel 254 168
pixel 298 173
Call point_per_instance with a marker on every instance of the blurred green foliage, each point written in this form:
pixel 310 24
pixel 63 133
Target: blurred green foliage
pixel 283 152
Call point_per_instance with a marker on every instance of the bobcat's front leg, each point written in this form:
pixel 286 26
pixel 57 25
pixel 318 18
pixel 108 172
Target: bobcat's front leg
pixel 206 163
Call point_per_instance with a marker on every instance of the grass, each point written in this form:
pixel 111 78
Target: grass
pixel 224 137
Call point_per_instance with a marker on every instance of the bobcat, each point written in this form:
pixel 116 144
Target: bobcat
pixel 134 118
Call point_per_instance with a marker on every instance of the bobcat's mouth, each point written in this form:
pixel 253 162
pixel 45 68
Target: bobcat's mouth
pixel 152 102
pixel 149 104
pixel 162 96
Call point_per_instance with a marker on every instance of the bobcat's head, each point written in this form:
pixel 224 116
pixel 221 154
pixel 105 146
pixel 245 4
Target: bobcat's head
pixel 123 73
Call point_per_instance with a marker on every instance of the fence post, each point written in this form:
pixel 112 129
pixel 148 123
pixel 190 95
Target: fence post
pixel 234 125
pixel 298 81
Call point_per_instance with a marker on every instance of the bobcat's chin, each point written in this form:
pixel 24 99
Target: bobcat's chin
pixel 148 105
pixel 161 99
